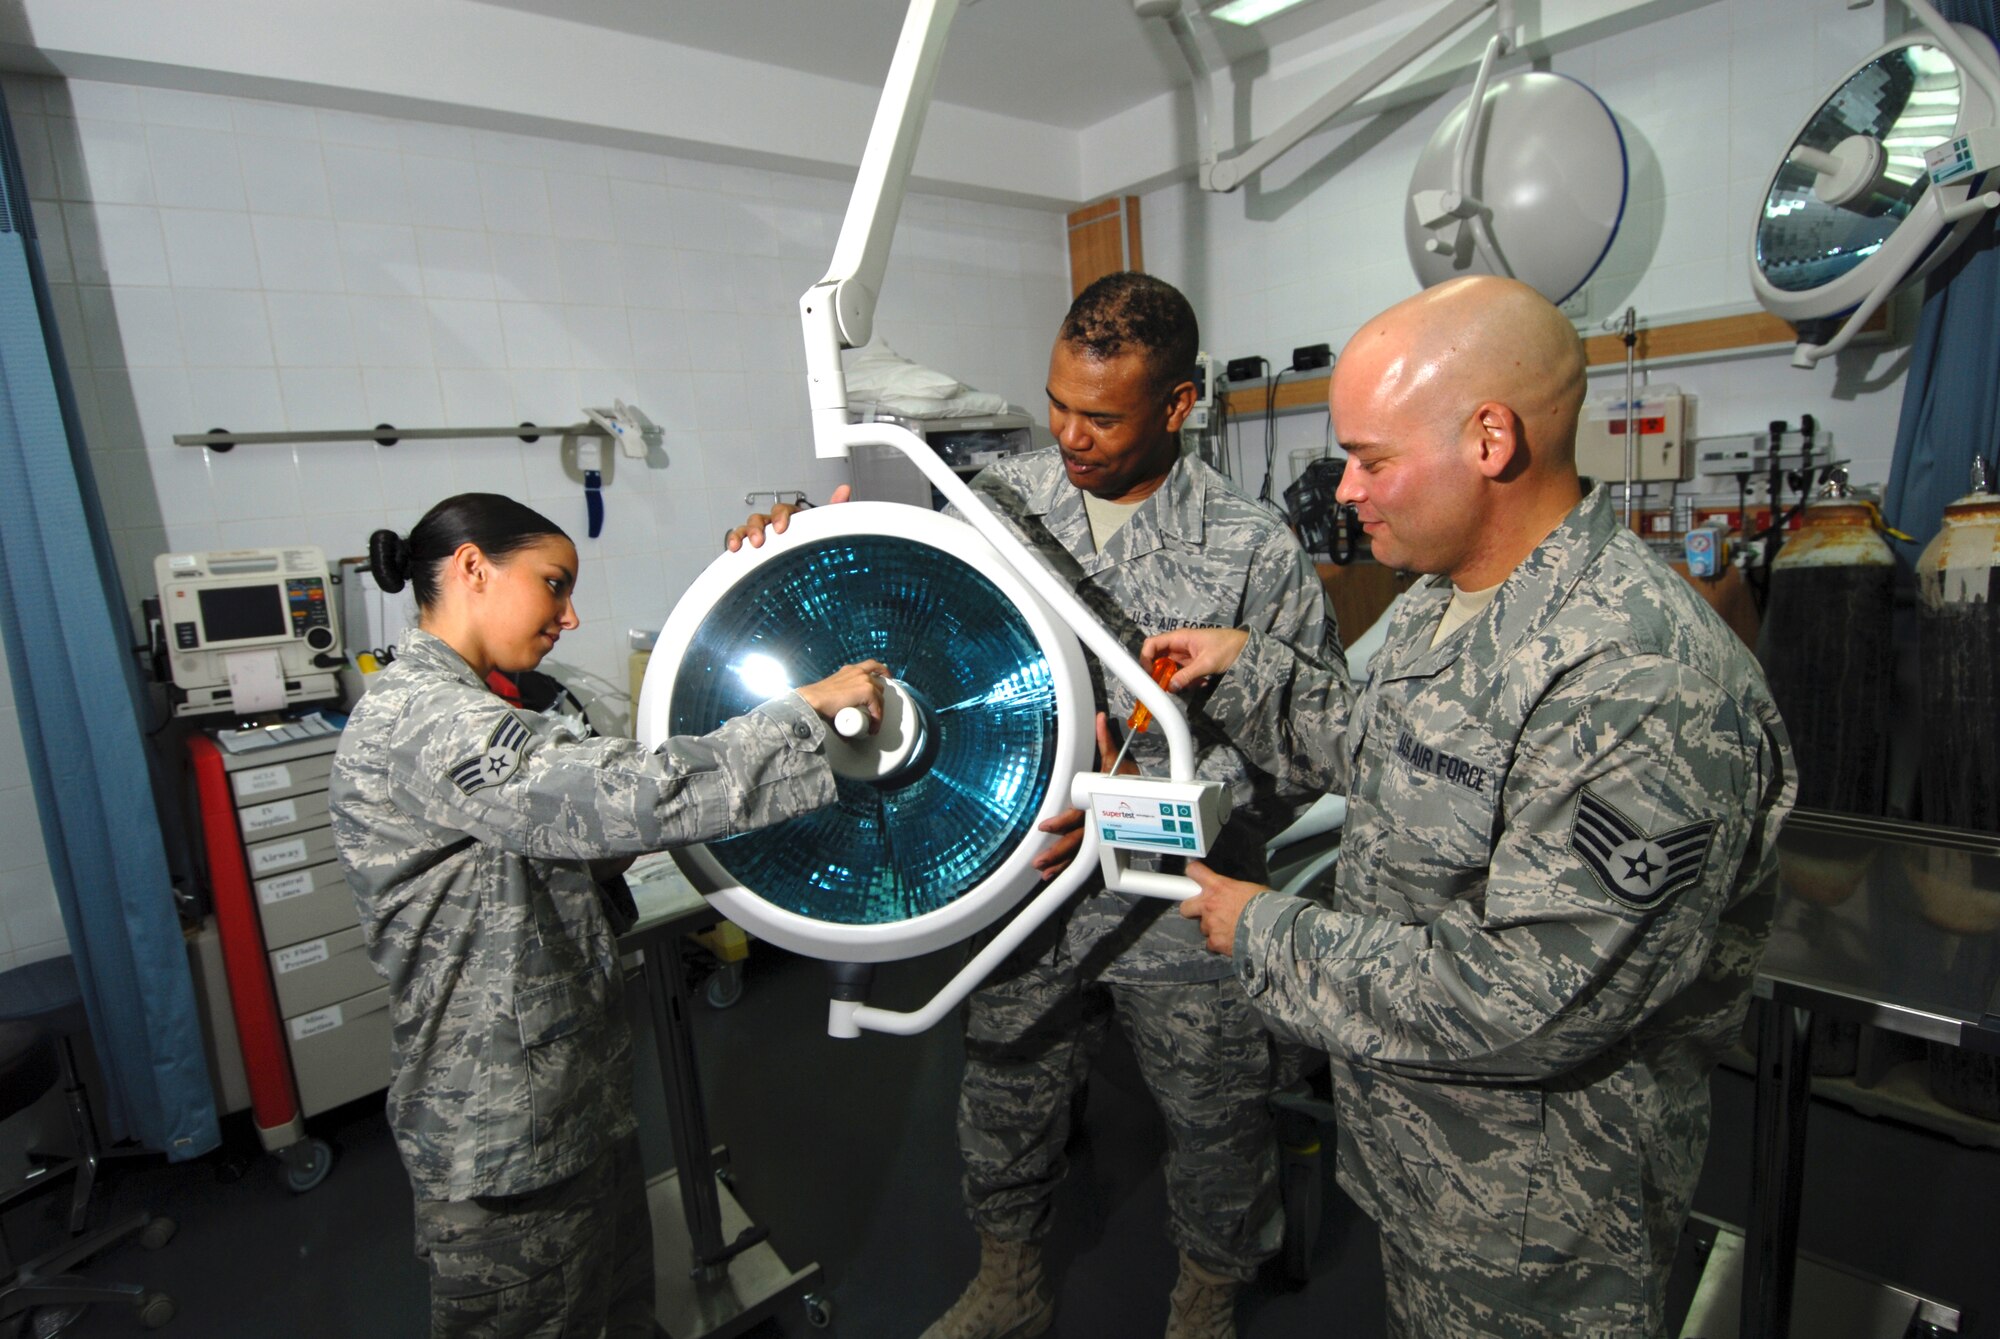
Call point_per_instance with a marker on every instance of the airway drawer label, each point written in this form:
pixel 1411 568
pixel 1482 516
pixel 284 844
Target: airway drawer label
pixel 278 855
pixel 273 815
pixel 316 1022
pixel 300 955
pixel 261 780
pixel 285 885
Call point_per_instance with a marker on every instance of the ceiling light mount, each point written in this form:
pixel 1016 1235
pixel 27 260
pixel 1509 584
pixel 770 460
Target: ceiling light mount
pixel 1244 13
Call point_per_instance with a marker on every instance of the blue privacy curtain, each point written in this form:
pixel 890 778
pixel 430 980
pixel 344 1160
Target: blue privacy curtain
pixel 64 620
pixel 1951 398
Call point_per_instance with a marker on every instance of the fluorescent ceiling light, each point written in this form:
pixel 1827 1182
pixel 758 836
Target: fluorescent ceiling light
pixel 1246 12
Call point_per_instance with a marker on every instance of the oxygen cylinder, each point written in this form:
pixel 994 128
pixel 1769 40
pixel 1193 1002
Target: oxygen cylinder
pixel 1958 629
pixel 1827 652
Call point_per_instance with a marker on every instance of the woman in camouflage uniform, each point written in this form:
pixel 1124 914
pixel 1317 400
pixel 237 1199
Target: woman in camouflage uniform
pixel 479 840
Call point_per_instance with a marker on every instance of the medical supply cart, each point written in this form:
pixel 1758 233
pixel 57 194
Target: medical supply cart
pixel 312 1016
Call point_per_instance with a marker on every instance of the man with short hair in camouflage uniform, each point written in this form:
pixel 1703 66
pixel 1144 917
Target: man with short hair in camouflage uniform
pixel 1151 540
pixel 1565 777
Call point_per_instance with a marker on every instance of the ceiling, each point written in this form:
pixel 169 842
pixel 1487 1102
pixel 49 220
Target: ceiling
pixel 1067 63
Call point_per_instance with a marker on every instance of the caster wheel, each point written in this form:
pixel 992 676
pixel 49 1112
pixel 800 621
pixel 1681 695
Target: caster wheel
pixel 157 1233
pixel 307 1165
pixel 819 1310
pixel 725 988
pixel 50 1322
pixel 156 1310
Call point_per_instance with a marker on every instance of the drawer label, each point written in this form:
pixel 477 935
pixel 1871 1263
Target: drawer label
pixel 263 780
pixel 260 817
pixel 277 855
pixel 300 955
pixel 296 884
pixel 316 1022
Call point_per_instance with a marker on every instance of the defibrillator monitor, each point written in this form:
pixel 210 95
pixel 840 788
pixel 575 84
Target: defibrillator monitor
pixel 248 630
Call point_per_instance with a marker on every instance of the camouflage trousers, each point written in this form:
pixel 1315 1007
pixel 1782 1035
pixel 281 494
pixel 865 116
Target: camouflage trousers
pixel 1205 1057
pixel 569 1261
pixel 1425 1303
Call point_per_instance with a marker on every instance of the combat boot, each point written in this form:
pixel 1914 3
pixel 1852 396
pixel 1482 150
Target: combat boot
pixel 1203 1305
pixel 1008 1299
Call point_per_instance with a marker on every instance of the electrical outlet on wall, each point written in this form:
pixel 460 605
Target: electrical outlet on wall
pixel 1577 305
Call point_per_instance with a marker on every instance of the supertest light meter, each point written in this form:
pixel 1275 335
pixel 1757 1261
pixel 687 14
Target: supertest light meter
pixel 1150 815
pixel 242 616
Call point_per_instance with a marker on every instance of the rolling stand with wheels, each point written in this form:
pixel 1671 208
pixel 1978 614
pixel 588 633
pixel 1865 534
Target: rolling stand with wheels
pixel 41 1009
pixel 717 1274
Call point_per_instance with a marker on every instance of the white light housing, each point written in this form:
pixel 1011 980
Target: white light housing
pixel 785 915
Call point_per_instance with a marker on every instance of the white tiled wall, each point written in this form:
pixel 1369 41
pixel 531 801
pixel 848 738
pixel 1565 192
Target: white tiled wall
pixel 218 262
pixel 1707 100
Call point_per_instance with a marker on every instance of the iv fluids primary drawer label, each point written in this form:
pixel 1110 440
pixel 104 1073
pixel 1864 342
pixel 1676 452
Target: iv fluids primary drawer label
pixel 316 1022
pixel 300 955
pixel 295 884
pixel 278 855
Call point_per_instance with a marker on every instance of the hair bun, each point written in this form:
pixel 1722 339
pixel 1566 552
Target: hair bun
pixel 388 560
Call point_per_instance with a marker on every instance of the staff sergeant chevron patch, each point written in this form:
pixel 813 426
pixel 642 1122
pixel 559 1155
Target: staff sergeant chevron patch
pixel 1638 870
pixel 497 761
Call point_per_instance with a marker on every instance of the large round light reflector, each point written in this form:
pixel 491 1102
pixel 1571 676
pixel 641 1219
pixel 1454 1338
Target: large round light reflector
pixel 1851 203
pixel 938 845
pixel 1549 165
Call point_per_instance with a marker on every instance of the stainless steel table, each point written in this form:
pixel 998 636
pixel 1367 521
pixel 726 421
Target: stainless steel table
pixel 717 1274
pixel 1883 923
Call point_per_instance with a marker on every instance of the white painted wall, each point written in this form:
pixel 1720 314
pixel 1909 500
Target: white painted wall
pixel 1707 99
pixel 218 261
pixel 494 67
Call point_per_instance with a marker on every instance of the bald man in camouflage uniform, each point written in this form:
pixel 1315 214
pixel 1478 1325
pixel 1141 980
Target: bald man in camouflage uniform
pixel 1565 777
pixel 467 829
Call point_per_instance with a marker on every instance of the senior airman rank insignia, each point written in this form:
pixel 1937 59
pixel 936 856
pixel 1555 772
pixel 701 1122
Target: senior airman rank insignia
pixel 497 761
pixel 1637 869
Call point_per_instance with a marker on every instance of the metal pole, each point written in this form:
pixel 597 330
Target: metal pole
pixel 1629 332
pixel 1771 1244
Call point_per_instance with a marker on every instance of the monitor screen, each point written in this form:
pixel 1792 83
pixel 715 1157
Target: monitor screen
pixel 238 613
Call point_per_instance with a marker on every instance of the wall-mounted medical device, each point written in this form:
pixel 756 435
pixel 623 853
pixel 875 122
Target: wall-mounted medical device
pixel 1658 426
pixel 248 630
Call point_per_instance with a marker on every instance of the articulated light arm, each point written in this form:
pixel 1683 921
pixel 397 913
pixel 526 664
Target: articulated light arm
pixel 1197 67
pixel 1229 173
pixel 839 311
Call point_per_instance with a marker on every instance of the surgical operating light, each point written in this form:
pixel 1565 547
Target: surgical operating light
pixel 1526 178
pixel 1882 181
pixel 986 717
pixel 836 587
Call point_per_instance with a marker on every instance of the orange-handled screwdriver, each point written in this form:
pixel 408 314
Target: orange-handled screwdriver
pixel 1141 717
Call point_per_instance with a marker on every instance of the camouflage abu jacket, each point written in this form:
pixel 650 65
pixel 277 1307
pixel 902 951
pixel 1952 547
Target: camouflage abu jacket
pixel 1196 552
pixel 1556 878
pixel 466 829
